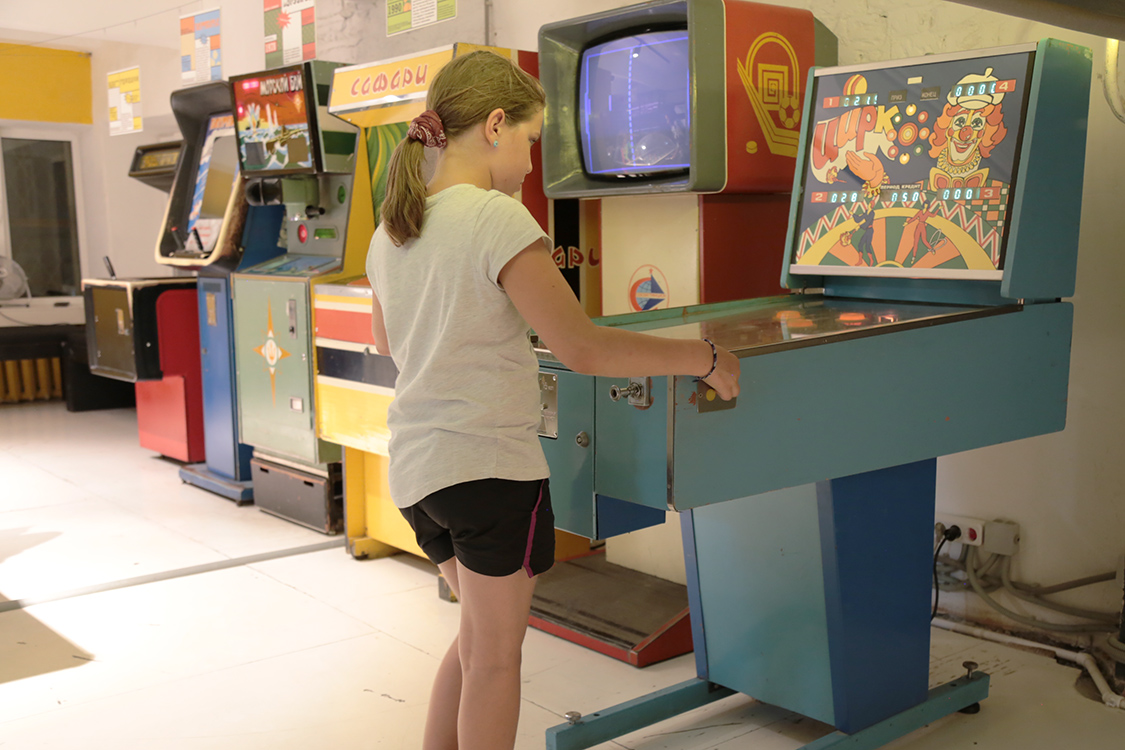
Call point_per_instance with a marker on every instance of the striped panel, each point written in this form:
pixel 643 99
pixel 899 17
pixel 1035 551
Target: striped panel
pixel 356 367
pixel 352 417
pixel 345 324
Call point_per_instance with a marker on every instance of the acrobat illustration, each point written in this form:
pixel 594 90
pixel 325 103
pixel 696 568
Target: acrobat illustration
pixel 865 219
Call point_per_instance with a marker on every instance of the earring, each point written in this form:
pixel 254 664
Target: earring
pixel 496 144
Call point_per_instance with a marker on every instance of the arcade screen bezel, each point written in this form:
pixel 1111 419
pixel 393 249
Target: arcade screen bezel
pixel 206 151
pixel 583 115
pixel 309 88
pixel 1016 128
pixel 176 237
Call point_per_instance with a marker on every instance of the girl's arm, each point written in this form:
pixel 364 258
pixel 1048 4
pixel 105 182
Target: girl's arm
pixel 539 292
pixel 378 327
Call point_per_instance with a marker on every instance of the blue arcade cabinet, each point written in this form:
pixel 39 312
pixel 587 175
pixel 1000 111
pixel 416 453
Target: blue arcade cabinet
pixel 933 234
pixel 210 229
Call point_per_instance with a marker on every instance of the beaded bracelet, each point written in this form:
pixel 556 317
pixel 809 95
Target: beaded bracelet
pixel 714 360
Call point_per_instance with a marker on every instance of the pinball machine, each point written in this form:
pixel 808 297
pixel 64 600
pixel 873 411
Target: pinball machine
pixel 933 233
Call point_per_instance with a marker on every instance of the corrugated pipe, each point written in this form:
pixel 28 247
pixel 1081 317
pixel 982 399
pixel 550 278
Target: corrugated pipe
pixel 1110 698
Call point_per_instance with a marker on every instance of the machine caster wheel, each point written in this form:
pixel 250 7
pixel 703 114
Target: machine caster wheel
pixel 973 709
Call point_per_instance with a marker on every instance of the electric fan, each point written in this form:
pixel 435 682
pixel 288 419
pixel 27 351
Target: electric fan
pixel 13 281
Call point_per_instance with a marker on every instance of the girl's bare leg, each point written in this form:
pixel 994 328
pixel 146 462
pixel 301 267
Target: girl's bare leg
pixel 445 696
pixel 494 614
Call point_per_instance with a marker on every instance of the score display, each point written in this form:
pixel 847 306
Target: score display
pixel 910 167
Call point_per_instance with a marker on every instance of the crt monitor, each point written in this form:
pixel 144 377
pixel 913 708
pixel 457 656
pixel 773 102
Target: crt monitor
pixel 275 116
pixel 634 105
pixel 911 169
pixel 676 96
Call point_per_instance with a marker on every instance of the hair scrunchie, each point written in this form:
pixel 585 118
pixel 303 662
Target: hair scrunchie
pixel 428 129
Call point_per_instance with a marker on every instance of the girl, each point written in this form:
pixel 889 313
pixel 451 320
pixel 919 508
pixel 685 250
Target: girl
pixel 459 270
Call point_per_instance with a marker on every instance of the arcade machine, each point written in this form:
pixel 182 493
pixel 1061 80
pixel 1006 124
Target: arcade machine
pixel 294 155
pixel 155 164
pixel 209 229
pixel 355 385
pixel 144 331
pixel 933 233
pixel 689 117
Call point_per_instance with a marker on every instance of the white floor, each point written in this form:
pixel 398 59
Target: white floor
pixel 318 650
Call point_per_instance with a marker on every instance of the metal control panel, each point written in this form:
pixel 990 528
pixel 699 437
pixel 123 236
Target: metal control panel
pixel 549 405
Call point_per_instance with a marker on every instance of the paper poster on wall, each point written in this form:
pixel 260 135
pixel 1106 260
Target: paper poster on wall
pixel 290 31
pixel 200 51
pixel 125 101
pixel 408 15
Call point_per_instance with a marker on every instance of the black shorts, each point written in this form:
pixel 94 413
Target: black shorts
pixel 493 526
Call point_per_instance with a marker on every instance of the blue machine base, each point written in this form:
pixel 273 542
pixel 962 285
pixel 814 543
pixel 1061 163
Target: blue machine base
pixel 638 713
pixel 200 476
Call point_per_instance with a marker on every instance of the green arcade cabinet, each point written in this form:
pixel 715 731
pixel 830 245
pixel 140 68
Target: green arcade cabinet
pixel 293 154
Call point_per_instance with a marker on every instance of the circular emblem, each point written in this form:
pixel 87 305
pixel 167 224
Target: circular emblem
pixel 271 352
pixel 648 289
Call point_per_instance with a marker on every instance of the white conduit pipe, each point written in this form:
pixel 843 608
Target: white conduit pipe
pixel 1110 698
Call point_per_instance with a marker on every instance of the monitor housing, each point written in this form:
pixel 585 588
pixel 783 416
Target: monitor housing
pixel 676 96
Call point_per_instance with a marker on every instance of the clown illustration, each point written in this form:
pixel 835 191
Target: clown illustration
pixel 969 127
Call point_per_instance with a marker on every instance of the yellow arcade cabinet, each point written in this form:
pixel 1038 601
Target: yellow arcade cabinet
pixel 294 154
pixel 354 384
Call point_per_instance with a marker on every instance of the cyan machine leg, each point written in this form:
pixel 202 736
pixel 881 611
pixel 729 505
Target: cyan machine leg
pixel 594 729
pixel 815 599
pixel 588 731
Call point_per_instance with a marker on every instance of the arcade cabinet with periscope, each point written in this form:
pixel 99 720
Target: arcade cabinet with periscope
pixel 685 116
pixel 146 331
pixel 209 229
pixel 295 155
pixel 675 215
pixel 933 233
pixel 355 385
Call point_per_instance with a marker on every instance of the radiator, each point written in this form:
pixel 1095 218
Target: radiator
pixel 30 380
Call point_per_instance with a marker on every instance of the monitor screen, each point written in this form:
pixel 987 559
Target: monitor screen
pixel 910 171
pixel 275 122
pixel 634 105
pixel 214 181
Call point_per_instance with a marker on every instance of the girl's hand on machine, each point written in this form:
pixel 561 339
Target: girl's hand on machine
pixel 725 378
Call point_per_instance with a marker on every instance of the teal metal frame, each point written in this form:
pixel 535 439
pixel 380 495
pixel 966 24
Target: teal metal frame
pixel 588 731
pixel 808 503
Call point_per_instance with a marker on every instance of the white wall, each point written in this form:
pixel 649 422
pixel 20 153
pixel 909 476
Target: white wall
pixel 1067 490
pixel 125 213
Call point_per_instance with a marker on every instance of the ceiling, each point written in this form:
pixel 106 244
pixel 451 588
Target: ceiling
pixel 1098 17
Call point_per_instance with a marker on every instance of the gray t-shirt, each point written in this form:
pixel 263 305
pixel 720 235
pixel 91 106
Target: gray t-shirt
pixel 467 396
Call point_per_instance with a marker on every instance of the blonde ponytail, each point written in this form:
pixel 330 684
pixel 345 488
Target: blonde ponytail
pixel 405 203
pixel 462 94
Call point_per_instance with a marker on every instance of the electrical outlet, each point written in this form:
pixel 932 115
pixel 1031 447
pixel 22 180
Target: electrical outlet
pixel 972 529
pixel 996 537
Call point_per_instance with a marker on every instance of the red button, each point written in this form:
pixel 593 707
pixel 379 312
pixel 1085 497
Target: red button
pixel 972 535
pixel 303 233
